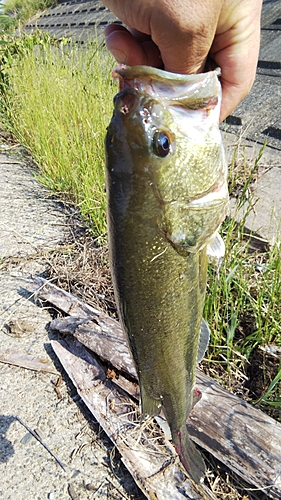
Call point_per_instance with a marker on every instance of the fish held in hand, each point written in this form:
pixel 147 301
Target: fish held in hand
pixel 167 196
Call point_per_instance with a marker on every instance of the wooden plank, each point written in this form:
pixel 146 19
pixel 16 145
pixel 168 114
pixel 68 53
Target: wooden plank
pixel 28 361
pixel 103 336
pixel 239 435
pixel 44 289
pixel 244 438
pixel 150 458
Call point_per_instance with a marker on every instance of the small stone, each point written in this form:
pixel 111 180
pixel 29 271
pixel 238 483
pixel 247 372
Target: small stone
pixel 90 487
pixel 75 473
pixel 26 438
pixel 53 495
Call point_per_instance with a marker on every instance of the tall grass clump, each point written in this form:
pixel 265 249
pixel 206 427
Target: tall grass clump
pixel 6 22
pixel 243 308
pixel 21 10
pixel 58 104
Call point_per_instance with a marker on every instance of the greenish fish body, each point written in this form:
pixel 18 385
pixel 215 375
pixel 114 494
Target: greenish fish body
pixel 167 196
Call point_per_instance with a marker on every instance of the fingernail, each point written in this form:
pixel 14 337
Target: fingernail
pixel 119 55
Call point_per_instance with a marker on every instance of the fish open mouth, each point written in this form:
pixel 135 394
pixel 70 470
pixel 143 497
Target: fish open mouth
pixel 192 91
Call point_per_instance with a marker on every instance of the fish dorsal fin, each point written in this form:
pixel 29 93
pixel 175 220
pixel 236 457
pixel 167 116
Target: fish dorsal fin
pixel 216 251
pixel 203 340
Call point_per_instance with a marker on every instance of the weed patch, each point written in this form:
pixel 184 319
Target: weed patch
pixel 58 102
pixel 242 309
pixel 21 10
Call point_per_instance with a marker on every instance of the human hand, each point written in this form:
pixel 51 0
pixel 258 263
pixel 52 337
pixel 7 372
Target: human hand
pixel 181 35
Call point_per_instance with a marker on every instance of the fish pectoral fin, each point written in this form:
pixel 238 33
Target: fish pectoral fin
pixel 203 340
pixel 197 395
pixel 164 426
pixel 216 251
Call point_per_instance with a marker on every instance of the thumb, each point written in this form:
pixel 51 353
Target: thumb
pixel 183 34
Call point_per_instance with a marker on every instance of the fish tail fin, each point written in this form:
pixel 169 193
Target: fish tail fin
pixel 190 457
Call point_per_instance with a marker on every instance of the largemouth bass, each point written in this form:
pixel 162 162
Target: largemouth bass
pixel 167 196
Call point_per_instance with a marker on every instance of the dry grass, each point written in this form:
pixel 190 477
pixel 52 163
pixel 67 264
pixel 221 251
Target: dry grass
pixel 83 270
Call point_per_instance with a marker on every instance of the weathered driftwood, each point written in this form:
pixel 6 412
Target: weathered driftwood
pixel 150 458
pixel 24 360
pixel 64 300
pixel 245 439
pixel 93 332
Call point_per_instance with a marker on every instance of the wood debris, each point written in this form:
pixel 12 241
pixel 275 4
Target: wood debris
pixel 242 437
pixel 29 361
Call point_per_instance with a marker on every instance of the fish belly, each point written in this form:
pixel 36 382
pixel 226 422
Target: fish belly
pixel 160 298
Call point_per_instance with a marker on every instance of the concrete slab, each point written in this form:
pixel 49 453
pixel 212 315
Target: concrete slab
pixel 257 117
pixel 263 208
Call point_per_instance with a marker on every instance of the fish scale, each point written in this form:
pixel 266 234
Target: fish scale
pixel 167 195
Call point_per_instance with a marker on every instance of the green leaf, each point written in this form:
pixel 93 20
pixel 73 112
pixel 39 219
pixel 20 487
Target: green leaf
pixel 264 398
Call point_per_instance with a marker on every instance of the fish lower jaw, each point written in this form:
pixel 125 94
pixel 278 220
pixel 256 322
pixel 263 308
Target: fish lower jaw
pixel 217 197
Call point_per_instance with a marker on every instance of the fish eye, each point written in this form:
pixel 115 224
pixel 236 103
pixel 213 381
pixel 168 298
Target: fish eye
pixel 161 144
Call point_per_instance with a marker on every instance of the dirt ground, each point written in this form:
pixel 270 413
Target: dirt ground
pixel 34 225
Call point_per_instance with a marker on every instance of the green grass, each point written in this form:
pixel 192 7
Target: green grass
pixel 21 10
pixel 58 103
pixel 5 21
pixel 243 305
pixel 243 301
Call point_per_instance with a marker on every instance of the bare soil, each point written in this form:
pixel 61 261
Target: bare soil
pixel 34 225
